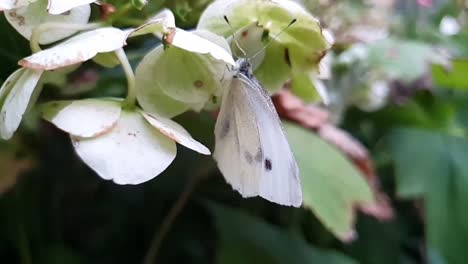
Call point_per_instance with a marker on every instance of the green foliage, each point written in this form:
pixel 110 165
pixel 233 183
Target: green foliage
pixel 439 175
pixel 249 240
pixel 332 185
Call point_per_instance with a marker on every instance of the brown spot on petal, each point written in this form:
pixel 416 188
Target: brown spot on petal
pixel 198 83
pixel 106 10
pixel 169 38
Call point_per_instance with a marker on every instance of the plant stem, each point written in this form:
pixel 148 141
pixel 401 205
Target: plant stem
pixel 37 32
pixel 130 101
pixel 167 223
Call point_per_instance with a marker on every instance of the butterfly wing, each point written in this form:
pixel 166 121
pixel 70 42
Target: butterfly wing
pixel 251 149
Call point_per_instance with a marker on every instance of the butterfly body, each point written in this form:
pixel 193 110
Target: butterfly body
pixel 251 149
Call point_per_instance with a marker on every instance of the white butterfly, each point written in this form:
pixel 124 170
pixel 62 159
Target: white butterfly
pixel 251 149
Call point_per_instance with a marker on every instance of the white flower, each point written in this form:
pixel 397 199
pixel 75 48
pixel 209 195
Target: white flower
pixel 188 71
pixel 18 90
pixel 27 16
pixel 127 146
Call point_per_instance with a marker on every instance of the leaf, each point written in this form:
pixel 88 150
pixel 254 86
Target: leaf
pixel 246 239
pixel 176 132
pixel 77 49
pixel 83 118
pixel 56 7
pixel 454 77
pixel 331 185
pixel 15 95
pixel 402 59
pixel 132 152
pixel 26 19
pixel 433 166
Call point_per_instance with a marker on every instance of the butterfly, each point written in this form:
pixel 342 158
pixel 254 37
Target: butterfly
pixel 251 149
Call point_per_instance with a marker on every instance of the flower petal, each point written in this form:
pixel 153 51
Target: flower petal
pixel 164 89
pixel 133 152
pixel 10 4
pixel 149 93
pixel 176 132
pixel 25 19
pixel 56 7
pixel 194 43
pixel 77 49
pixel 82 118
pixel 161 22
pixel 14 99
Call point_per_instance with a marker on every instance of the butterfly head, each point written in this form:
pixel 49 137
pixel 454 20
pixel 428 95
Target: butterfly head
pixel 244 66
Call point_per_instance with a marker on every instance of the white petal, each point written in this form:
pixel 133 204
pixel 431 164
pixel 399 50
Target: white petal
pixel 83 118
pixel 10 4
pixel 77 49
pixel 56 7
pixel 193 43
pixel 176 132
pixel 161 22
pixel 133 152
pixel 25 19
pixel 18 91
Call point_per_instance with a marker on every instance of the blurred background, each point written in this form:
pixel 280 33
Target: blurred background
pixel 393 119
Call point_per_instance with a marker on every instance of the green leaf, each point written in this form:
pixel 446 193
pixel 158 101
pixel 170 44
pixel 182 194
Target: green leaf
pixel 332 186
pixel 455 77
pixel 433 166
pixel 246 239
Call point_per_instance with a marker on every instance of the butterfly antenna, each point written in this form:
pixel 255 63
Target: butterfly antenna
pixel 234 36
pixel 271 40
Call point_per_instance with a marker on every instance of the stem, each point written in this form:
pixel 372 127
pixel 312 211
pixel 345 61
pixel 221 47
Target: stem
pixel 37 32
pixel 167 223
pixel 130 101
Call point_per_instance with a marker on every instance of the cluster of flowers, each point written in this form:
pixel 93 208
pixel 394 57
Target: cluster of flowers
pixel 132 140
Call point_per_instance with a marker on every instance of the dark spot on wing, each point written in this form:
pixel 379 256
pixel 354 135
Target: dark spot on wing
pixel 259 155
pixel 245 33
pixel 268 165
pixel 248 157
pixel 286 57
pixel 225 128
pixel 198 83
pixel 214 99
